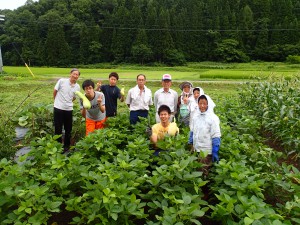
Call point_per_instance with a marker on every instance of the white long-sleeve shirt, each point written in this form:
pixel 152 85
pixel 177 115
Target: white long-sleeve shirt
pixel 139 100
pixel 169 98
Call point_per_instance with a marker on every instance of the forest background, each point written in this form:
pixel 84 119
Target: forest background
pixel 63 33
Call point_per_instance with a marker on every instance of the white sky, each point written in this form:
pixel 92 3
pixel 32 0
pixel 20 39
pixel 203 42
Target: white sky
pixel 11 4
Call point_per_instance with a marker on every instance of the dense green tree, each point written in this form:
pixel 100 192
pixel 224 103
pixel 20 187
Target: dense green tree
pixel 261 42
pixel 246 27
pixel 151 25
pixel 164 41
pixel 60 54
pixel 120 42
pixel 229 51
pixel 66 32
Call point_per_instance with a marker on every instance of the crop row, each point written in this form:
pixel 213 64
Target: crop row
pixel 112 177
pixel 277 104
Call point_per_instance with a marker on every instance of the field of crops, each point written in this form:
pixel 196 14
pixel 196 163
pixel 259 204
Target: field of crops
pixel 112 177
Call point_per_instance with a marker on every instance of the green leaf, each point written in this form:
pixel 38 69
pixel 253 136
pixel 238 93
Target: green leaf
pixel 106 191
pixel 187 200
pixel 28 210
pixel 21 208
pixel 114 216
pixel 76 219
pixel 133 198
pixel 257 216
pixel 239 209
pixel 105 199
pixel 248 221
pixel 277 222
pixel 195 221
pixel 54 206
pixel 131 208
pixel 198 213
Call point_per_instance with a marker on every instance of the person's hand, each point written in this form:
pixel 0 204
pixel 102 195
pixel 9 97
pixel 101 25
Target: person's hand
pixel 98 85
pixel 186 99
pixel 190 141
pixel 149 131
pixel 215 149
pixel 123 90
pixel 99 100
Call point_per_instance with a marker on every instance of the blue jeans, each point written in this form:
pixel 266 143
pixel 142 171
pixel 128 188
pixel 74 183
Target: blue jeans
pixel 134 115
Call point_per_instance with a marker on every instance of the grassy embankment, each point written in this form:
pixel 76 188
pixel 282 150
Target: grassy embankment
pixel 217 79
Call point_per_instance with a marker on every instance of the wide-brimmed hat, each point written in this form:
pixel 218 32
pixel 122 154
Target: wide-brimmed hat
pixel 185 83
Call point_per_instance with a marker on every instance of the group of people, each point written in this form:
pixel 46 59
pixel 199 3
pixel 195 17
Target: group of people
pixel 192 107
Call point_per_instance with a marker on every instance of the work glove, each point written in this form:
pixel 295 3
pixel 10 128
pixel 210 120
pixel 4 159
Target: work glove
pixel 190 141
pixel 122 90
pixel 149 131
pixel 215 149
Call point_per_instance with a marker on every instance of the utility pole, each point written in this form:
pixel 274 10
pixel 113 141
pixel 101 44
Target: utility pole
pixel 2 18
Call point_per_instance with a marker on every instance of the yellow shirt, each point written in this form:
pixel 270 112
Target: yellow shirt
pixel 160 131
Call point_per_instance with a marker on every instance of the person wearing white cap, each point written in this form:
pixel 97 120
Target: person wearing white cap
pixel 166 96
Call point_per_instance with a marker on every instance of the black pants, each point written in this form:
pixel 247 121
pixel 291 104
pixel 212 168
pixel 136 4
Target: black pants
pixel 63 118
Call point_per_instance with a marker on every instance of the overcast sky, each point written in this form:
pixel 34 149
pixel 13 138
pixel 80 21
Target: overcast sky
pixel 11 4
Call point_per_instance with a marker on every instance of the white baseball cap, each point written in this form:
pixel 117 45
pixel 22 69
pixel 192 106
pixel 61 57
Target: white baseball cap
pixel 166 77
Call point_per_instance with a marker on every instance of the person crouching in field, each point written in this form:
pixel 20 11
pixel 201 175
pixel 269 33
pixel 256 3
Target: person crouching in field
pixel 164 127
pixel 205 134
pixel 95 116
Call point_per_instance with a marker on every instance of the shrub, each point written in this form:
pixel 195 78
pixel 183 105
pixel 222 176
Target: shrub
pixel 293 59
pixel 7 135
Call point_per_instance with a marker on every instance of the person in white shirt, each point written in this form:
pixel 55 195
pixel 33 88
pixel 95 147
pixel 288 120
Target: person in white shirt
pixel 138 99
pixel 166 96
pixel 64 95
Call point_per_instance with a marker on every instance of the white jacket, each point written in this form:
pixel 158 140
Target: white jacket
pixel 193 106
pixel 205 126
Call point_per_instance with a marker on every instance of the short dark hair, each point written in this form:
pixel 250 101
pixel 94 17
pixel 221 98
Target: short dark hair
pixel 202 97
pixel 114 74
pixel 196 89
pixel 137 77
pixel 164 108
pixel 75 69
pixel 88 83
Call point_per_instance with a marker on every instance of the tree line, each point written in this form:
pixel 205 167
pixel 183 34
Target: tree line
pixel 172 32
